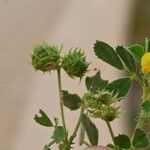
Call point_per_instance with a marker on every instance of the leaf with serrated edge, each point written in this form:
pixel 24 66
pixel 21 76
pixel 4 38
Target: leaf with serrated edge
pixel 127 58
pixel 137 51
pixel 106 53
pixel 120 86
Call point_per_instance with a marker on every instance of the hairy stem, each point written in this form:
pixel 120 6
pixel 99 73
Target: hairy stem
pixel 51 143
pixel 111 133
pixel 142 121
pixel 60 97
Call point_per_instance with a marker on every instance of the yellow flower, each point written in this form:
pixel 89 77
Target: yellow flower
pixel 145 62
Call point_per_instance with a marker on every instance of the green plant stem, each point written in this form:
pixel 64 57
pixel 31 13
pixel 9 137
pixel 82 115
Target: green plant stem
pixel 51 143
pixel 142 121
pixel 60 97
pixel 76 127
pixel 111 132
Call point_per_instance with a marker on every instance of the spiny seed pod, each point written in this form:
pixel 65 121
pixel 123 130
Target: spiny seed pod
pixel 91 102
pixel 106 97
pixel 74 63
pixel 45 57
pixel 109 113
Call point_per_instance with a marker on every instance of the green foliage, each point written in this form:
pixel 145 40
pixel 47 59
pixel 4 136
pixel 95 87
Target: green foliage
pixel 71 101
pixel 74 63
pixel 45 57
pixel 146 106
pixel 59 134
pixel 120 86
pixel 101 98
pixel 140 139
pixel 43 119
pixel 95 82
pixel 122 141
pixel 127 58
pixel 137 51
pixel 106 53
pixel 90 129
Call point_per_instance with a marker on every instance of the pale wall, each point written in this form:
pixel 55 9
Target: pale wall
pixel 22 90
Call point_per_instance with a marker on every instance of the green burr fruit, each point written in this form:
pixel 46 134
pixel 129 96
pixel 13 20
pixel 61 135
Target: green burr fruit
pixel 74 63
pixel 45 57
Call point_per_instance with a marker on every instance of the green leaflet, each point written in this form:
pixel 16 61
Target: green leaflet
pixel 120 86
pixel 127 58
pixel 59 134
pixel 43 119
pixel 106 53
pixel 123 141
pixel 90 129
pixel 140 139
pixel 146 106
pixel 137 51
pixel 95 82
pixel 71 101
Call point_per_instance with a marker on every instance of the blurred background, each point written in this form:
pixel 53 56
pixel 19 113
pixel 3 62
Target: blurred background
pixel 73 23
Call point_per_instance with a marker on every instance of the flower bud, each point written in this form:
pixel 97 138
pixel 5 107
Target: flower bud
pixel 145 63
pixel 45 57
pixel 74 63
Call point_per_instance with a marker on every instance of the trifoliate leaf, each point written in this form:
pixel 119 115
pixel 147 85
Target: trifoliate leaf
pixel 122 141
pixel 137 51
pixel 146 106
pixel 71 101
pixel 120 86
pixel 127 58
pixel 95 82
pixel 59 134
pixel 140 139
pixel 90 129
pixel 43 119
pixel 107 54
